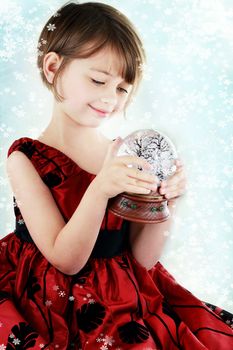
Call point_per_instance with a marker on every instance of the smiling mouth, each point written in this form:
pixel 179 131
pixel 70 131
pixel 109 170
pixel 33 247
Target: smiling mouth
pixel 99 111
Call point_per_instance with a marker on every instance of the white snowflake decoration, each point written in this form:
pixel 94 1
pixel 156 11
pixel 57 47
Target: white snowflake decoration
pixel 16 341
pixel 51 27
pixel 62 293
pixel 48 303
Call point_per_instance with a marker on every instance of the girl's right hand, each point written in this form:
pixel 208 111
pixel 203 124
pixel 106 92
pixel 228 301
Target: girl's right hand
pixel 117 174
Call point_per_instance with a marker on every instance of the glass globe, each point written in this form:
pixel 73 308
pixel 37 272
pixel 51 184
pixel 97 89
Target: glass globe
pixel 156 148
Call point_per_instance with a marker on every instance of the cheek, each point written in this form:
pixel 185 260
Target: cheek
pixel 74 94
pixel 70 86
pixel 73 105
pixel 122 103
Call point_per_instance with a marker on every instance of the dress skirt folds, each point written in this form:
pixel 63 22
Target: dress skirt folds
pixel 113 303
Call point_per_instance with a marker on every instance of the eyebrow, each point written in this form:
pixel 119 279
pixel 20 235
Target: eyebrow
pixel 101 71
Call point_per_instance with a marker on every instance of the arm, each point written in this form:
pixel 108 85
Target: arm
pixel 67 246
pixel 148 240
pixel 85 222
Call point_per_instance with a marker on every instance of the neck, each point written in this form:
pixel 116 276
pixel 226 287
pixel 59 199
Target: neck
pixel 65 134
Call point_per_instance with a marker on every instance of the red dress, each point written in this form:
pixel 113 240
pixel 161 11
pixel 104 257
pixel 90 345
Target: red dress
pixel 113 303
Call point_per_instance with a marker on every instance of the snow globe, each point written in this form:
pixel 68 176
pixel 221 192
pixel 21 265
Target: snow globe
pixel 158 150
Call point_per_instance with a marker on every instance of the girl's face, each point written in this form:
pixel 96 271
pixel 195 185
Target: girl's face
pixel 93 89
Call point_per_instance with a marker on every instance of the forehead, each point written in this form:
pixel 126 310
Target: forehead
pixel 105 60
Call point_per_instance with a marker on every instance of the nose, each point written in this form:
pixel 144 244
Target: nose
pixel 109 98
pixel 104 100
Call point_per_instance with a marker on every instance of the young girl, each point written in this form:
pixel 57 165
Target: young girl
pixel 73 275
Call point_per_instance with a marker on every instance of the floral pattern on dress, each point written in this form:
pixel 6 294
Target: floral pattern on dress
pixel 133 332
pixel 22 337
pixel 90 316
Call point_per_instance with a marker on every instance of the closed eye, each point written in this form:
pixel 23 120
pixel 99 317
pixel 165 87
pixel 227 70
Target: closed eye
pixel 123 90
pixel 97 82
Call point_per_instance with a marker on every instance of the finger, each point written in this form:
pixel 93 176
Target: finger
pixel 150 186
pixel 174 179
pixel 177 192
pixel 169 183
pixel 180 186
pixel 143 176
pixel 179 168
pixel 113 149
pixel 136 190
pixel 179 165
pixel 175 182
pixel 131 161
pixel 172 195
pixel 179 162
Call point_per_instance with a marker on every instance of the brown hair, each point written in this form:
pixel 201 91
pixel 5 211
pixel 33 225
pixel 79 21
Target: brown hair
pixel 71 30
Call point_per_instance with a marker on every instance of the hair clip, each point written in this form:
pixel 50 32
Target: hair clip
pixel 51 27
pixel 40 43
pixel 57 14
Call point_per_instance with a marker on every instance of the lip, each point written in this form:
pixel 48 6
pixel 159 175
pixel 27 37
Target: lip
pixel 99 111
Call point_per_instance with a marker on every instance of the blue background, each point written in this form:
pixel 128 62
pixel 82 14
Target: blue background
pixel 186 93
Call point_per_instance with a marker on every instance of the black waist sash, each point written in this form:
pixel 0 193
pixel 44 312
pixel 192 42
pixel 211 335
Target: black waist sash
pixel 109 243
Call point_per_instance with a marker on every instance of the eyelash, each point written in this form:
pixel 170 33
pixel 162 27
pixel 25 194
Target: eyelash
pixel 102 83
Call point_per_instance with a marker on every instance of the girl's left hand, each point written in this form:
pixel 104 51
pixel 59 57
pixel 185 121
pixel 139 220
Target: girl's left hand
pixel 175 185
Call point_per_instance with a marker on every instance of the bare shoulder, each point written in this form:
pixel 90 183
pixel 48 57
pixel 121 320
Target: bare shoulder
pixel 17 158
pixel 23 175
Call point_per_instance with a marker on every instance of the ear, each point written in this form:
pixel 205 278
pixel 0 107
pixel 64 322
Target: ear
pixel 51 63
